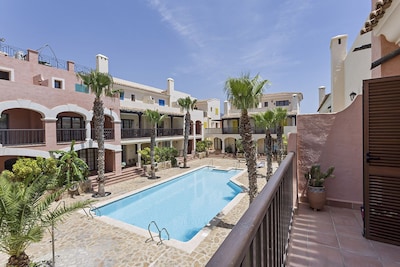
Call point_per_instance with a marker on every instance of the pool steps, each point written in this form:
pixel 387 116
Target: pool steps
pixel 159 233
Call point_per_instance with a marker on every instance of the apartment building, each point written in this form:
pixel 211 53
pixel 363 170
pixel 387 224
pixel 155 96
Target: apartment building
pixel 44 106
pixel 224 137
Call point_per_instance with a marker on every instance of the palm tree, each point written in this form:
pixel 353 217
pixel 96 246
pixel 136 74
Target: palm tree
pixel 99 84
pixel 154 117
pixel 280 116
pixel 25 211
pixel 266 120
pixel 186 104
pixel 245 93
pixel 71 168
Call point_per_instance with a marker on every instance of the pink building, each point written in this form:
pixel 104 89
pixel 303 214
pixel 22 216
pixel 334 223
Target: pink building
pixel 44 106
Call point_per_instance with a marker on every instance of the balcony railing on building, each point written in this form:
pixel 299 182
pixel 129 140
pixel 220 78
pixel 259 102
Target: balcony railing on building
pixel 67 135
pixel 139 133
pixel 52 61
pixel 255 130
pixel 261 236
pixel 108 134
pixel 9 137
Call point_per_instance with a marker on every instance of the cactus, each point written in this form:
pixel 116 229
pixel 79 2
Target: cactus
pixel 315 177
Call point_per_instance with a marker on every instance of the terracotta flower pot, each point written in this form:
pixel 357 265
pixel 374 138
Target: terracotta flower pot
pixel 316 197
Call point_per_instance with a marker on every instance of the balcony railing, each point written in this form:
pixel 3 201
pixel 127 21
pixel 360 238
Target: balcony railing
pixel 169 132
pixel 9 137
pixel 213 131
pixel 138 133
pixel 235 130
pixel 230 130
pixel 108 134
pixel 67 135
pixel 260 237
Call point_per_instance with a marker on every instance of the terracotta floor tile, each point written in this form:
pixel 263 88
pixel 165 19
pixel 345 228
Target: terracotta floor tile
pixel 324 256
pixel 388 252
pixel 327 239
pixel 350 247
pixel 356 260
pixel 360 246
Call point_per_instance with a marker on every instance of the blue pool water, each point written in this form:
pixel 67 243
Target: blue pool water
pixel 183 205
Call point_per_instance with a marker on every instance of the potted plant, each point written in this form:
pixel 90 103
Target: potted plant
pixel 316 186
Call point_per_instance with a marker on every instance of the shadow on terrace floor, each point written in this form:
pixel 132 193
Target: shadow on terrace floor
pixel 333 237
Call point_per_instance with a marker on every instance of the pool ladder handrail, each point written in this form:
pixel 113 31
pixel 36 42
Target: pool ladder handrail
pixel 159 233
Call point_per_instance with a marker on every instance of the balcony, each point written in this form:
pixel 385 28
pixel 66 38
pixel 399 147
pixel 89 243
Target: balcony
pixel 67 135
pixel 108 134
pixel 12 137
pixel 139 133
pixel 333 237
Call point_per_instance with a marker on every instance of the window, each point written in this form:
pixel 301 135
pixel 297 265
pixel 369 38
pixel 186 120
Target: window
pixel 70 123
pixel 121 95
pixel 282 103
pixel 4 121
pixel 81 88
pixel 216 111
pixel 58 83
pixel 132 97
pixel 161 102
pixel 6 74
pixel 265 104
pixel 127 124
pixel 211 109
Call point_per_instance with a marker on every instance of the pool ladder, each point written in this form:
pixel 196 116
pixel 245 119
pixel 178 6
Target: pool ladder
pixel 159 233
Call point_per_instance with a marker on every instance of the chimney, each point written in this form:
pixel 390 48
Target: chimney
pixel 321 94
pixel 226 107
pixel 170 86
pixel 101 63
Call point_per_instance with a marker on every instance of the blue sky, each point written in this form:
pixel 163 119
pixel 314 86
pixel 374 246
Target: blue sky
pixel 197 43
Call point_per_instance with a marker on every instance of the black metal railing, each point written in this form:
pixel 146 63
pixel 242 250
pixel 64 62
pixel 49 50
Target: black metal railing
pixel 9 137
pixel 138 133
pixel 261 236
pixel 108 134
pixel 230 130
pixel 43 59
pixel 67 135
pixel 169 132
pixel 255 130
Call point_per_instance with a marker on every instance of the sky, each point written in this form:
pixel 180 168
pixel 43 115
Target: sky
pixel 200 44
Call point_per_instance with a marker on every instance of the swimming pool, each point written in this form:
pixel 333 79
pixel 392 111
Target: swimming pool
pixel 183 205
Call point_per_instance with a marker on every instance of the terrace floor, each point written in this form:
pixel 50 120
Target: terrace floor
pixel 333 237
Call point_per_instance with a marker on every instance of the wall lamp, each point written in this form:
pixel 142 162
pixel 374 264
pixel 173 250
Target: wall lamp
pixel 352 95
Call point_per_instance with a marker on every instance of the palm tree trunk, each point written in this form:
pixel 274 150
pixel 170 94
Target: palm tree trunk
pixel 250 155
pixel 186 139
pixel 280 146
pixel 268 152
pixel 99 126
pixel 152 145
pixel 18 261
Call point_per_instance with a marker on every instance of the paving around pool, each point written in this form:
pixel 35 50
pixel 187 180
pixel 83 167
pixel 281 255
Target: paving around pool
pixel 82 240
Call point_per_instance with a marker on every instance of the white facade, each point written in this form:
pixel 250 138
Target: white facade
pixel 348 70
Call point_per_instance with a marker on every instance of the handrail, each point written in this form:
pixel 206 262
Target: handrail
pixel 260 237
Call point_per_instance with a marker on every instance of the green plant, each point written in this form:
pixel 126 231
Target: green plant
pixel 26 209
pixel 239 146
pixel 145 155
pixel 315 177
pixel 200 146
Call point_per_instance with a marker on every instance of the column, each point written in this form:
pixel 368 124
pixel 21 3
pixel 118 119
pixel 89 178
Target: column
pixel 88 128
pixel 139 163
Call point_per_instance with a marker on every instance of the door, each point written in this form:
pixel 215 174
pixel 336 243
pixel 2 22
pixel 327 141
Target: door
pixel 381 122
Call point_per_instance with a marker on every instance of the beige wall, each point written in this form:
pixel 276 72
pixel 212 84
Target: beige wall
pixel 333 139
